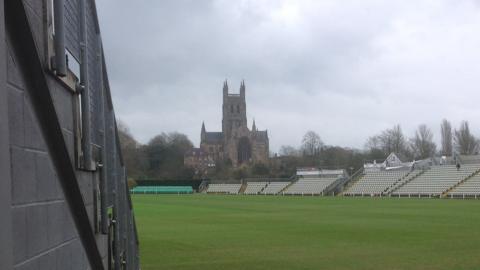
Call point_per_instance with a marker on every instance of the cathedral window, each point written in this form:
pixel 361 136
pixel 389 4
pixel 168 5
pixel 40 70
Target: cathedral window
pixel 238 108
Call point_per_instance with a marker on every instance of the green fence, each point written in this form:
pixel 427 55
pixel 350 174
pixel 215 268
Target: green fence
pixel 162 190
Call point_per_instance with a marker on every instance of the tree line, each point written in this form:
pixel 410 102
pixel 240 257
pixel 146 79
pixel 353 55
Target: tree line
pixel 421 145
pixel 162 157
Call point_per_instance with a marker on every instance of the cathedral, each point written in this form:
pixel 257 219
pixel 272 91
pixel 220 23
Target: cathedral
pixel 236 143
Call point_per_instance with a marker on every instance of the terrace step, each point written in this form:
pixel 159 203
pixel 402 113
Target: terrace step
pixel 436 181
pixel 243 188
pixel 287 186
pixel 407 179
pixel 355 178
pixel 445 194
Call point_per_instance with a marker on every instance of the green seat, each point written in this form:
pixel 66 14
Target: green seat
pixel 162 190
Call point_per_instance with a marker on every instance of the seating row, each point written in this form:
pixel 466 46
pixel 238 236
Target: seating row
pixel 255 187
pixel 470 187
pixel 224 188
pixel 376 183
pixel 162 190
pixel 437 180
pixel 310 186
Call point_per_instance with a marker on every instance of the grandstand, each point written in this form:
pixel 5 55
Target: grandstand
pixel 310 186
pixel 251 188
pixel 376 183
pixel 436 181
pixel 274 188
pixel 469 159
pixel 409 177
pixel 424 181
pixel 162 190
pixel 255 187
pixel 468 188
pixel 224 188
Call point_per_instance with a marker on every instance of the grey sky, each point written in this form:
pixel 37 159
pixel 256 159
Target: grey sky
pixel 345 69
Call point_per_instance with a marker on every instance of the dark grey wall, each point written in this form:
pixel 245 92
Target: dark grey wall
pixel 33 196
pixel 5 179
pixel 42 226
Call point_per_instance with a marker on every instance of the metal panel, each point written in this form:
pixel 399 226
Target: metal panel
pixel 103 139
pixel 94 70
pixel 72 39
pixel 85 81
pixel 116 200
pixel 111 157
pixel 6 261
pixel 59 22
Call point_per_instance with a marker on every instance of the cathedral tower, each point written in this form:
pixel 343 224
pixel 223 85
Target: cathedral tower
pixel 234 110
pixel 236 142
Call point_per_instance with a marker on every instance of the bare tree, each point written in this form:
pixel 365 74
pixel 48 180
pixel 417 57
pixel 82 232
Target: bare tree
pixel 465 142
pixel 373 143
pixel 422 143
pixel 375 149
pixel 132 154
pixel 446 132
pixel 123 127
pixel 390 140
pixel 311 144
pixel 393 140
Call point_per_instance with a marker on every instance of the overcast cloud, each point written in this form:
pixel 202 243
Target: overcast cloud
pixel 345 69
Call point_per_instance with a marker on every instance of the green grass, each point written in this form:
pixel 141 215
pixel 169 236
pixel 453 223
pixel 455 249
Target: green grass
pixel 259 232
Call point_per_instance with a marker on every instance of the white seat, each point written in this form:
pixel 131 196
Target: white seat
pixel 224 188
pixel 275 187
pixel 376 183
pixel 310 186
pixel 255 187
pixel 437 180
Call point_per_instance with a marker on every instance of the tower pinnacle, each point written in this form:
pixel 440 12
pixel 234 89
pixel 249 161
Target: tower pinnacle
pixel 225 86
pixel 242 89
pixel 204 132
